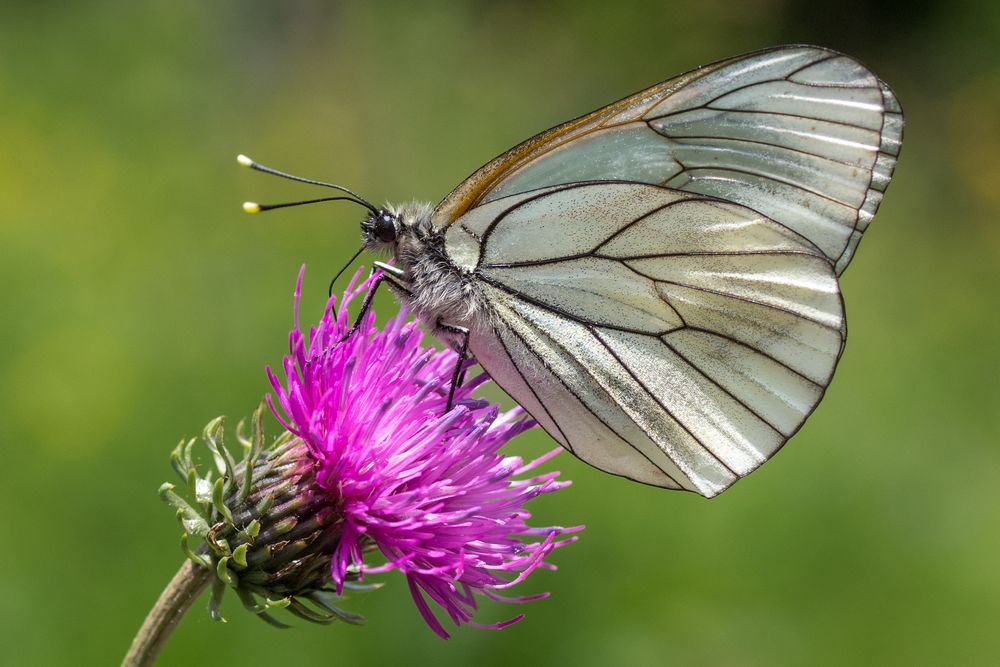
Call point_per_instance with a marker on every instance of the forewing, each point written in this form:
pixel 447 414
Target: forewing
pixel 665 336
pixel 806 136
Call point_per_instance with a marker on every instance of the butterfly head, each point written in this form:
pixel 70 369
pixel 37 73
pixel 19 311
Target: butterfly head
pixel 381 228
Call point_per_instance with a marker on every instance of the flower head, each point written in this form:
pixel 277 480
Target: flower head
pixel 425 487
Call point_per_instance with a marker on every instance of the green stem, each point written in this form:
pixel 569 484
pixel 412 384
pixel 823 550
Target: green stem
pixel 174 602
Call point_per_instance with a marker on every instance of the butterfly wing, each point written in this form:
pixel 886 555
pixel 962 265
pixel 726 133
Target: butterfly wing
pixel 666 336
pixel 804 135
pixel 663 271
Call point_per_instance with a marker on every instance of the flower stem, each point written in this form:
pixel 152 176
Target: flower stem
pixel 174 602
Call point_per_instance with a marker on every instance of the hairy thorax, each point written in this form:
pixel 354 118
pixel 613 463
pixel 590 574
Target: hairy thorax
pixel 439 291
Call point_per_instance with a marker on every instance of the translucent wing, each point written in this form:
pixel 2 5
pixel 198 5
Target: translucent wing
pixel 806 136
pixel 669 337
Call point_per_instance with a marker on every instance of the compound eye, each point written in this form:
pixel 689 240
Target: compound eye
pixel 385 228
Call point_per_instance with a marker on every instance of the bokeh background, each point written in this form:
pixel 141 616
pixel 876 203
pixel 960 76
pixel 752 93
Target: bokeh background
pixel 138 302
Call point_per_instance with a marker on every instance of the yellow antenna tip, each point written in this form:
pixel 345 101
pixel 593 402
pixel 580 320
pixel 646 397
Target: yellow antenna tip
pixel 244 160
pixel 251 207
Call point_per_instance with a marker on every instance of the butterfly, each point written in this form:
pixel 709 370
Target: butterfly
pixel 656 282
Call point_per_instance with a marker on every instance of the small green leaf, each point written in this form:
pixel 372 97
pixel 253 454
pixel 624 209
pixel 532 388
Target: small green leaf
pixel 177 461
pixel 215 439
pixel 219 502
pixel 241 436
pixel 191 519
pixel 196 558
pixel 240 555
pixel 285 525
pixel 212 436
pixel 310 615
pixel 226 575
pixel 252 530
pixel 215 601
pixel 280 603
pixel 325 599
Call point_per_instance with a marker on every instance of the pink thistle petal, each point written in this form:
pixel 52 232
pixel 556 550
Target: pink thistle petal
pixel 515 600
pixel 425 610
pixel 496 626
pixel 537 462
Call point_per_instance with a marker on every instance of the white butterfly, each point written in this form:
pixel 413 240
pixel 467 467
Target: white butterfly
pixel 656 281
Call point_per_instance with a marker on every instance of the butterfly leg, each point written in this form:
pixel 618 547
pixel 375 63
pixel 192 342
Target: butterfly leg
pixel 366 305
pixel 457 375
pixel 390 275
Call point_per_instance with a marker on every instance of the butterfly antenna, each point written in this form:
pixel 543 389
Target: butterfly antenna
pixel 251 207
pixel 254 207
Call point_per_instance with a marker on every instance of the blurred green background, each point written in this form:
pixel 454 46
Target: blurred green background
pixel 138 302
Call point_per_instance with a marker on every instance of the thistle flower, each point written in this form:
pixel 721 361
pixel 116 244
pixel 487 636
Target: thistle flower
pixel 427 488
pixel 370 462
